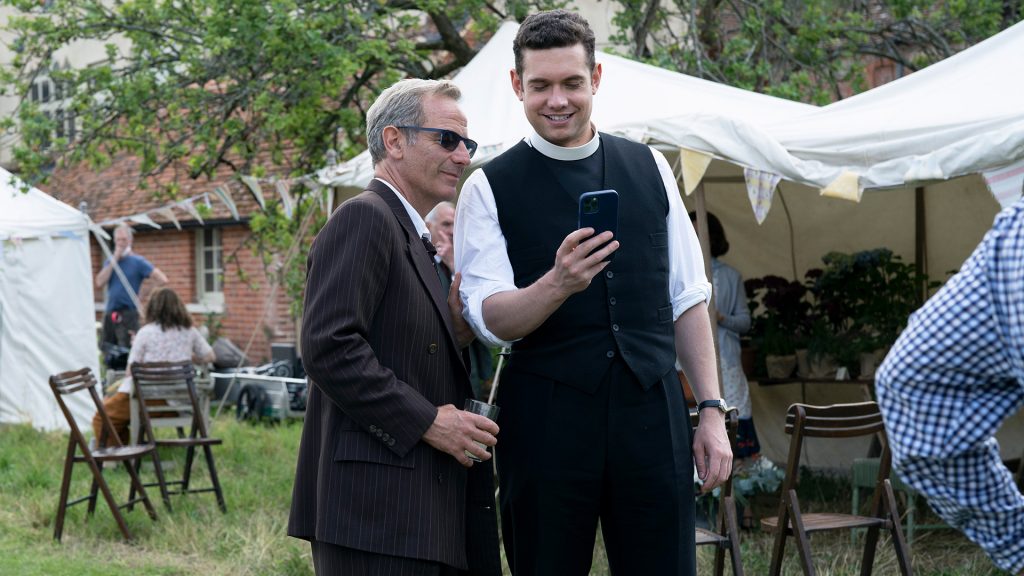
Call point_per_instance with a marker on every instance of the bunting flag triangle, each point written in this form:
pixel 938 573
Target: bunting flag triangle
pixel 257 191
pixel 168 213
pixel 187 206
pixel 846 186
pixel 1006 183
pixel 760 189
pixel 286 197
pixel 226 199
pixel 694 165
pixel 144 219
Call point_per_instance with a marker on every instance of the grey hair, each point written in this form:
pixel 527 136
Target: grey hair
pixel 432 215
pixel 402 105
pixel 126 226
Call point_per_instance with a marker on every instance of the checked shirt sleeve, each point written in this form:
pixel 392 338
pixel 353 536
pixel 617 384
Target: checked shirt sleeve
pixel 955 374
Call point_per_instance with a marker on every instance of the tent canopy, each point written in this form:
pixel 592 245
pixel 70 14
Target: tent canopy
pixel 959 116
pixel 47 320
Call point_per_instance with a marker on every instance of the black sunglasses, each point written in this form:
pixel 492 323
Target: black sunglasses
pixel 449 140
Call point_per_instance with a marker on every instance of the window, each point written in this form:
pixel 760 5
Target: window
pixel 209 268
pixel 52 97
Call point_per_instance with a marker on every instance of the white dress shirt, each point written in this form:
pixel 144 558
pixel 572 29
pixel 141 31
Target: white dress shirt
pixel 481 256
pixel 417 221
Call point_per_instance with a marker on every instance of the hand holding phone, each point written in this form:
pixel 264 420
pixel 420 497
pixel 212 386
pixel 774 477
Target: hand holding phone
pixel 600 210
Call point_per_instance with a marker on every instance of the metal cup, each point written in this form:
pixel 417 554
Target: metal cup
pixel 489 411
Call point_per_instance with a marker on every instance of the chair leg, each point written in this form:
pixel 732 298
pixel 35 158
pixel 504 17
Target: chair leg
pixel 97 474
pixel 911 510
pixel 779 548
pixel 186 477
pixel 213 478
pixel 867 563
pixel 733 530
pixel 902 551
pixel 803 545
pixel 161 480
pixel 92 495
pixel 136 484
pixel 65 485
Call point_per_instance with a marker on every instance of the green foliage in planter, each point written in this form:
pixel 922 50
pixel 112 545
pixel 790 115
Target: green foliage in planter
pixel 779 309
pixel 864 299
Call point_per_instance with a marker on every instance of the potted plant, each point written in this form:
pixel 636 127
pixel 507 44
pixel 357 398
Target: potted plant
pixel 779 309
pixel 861 304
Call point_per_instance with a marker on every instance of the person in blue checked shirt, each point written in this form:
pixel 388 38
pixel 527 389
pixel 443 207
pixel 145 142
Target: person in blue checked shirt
pixel 955 374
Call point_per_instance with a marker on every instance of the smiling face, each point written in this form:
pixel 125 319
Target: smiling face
pixel 557 90
pixel 424 171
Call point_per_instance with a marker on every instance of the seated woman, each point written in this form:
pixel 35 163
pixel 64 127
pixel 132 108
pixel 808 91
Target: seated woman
pixel 167 336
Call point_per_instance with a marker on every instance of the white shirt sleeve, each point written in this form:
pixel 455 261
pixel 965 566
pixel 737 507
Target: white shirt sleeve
pixel 480 253
pixel 687 282
pixel 482 258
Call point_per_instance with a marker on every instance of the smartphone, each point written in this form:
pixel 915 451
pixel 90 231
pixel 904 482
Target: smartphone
pixel 600 210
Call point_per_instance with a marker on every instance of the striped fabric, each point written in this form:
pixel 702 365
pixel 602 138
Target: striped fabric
pixel 377 344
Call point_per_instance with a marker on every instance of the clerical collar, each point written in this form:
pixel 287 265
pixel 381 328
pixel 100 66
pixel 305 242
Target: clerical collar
pixel 556 152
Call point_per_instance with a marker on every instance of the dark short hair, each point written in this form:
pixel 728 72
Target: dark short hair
pixel 553 29
pixel 167 310
pixel 716 234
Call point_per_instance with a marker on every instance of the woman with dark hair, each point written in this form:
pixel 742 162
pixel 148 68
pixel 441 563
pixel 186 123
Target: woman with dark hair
pixel 733 320
pixel 167 336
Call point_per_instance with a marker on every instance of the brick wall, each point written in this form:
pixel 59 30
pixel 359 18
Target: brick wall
pixel 246 313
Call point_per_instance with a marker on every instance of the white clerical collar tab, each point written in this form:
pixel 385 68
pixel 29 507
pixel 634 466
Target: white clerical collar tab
pixel 556 152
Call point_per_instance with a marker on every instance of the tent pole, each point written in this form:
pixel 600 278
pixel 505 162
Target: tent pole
pixel 705 248
pixel 920 245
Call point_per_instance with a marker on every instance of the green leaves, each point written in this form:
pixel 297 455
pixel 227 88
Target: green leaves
pixel 815 51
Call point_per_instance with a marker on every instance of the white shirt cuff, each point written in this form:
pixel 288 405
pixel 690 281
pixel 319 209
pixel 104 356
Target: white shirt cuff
pixel 694 294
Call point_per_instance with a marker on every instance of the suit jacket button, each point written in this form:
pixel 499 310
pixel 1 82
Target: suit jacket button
pixel 373 428
pixel 385 437
pixel 379 433
pixel 432 349
pixel 391 442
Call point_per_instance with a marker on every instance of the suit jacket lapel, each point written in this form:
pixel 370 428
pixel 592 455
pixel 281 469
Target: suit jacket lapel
pixel 418 255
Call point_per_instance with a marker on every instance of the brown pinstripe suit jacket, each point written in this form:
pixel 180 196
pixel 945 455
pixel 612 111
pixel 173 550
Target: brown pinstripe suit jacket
pixel 377 344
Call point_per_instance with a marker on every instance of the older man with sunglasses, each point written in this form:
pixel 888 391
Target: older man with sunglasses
pixel 384 483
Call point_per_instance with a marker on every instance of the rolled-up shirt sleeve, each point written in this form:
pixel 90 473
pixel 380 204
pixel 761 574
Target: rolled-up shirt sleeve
pixel 480 254
pixel 688 285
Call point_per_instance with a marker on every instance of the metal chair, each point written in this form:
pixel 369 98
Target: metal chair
pixel 77 381
pixel 726 535
pixel 168 390
pixel 836 421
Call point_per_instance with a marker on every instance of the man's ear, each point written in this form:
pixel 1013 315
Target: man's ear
pixel 517 84
pixel 394 142
pixel 595 77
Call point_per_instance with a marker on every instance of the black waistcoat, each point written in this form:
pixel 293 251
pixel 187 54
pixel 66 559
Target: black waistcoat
pixel 626 310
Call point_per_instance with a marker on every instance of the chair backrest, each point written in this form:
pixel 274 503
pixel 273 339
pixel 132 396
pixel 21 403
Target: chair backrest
pixel 166 392
pixel 834 421
pixel 75 381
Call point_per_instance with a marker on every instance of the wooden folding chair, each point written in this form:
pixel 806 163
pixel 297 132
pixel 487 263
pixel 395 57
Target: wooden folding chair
pixel 168 390
pixel 76 381
pixel 836 421
pixel 726 535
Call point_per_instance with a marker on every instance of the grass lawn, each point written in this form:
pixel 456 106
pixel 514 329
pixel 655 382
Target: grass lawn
pixel 256 466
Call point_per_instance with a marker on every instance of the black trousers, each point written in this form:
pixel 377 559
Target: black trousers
pixel 333 560
pixel 568 459
pixel 119 326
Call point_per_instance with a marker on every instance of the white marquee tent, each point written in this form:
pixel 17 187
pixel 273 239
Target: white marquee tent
pixel 47 317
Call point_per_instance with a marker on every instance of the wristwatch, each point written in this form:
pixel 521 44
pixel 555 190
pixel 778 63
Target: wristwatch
pixel 716 403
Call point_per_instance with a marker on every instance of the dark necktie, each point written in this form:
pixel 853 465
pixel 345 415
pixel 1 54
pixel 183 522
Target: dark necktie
pixel 432 252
